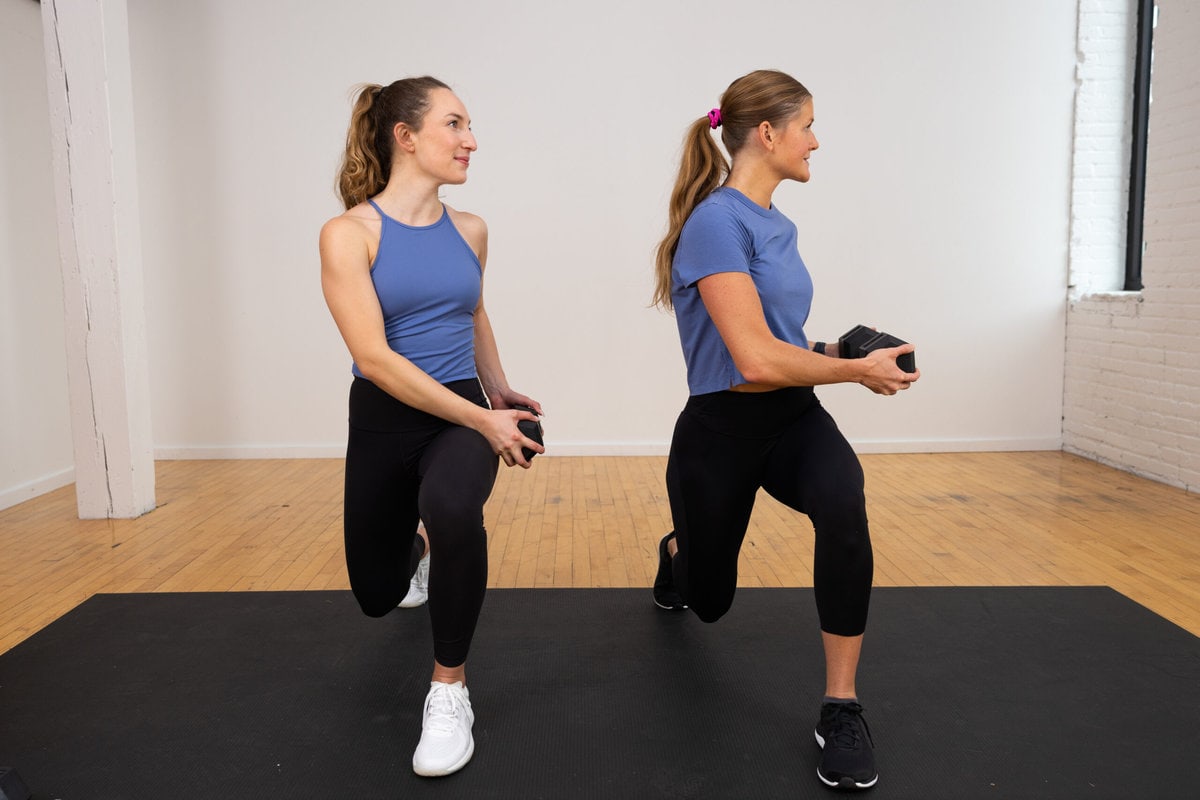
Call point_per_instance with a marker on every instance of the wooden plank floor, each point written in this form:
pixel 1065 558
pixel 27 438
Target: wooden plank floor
pixel 962 519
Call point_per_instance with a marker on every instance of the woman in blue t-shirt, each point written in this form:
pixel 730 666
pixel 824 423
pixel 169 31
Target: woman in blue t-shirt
pixel 730 270
pixel 402 275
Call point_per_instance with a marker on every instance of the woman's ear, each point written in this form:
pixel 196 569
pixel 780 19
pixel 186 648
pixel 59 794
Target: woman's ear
pixel 766 135
pixel 403 136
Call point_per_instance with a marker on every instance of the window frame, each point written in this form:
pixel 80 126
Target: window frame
pixel 1135 243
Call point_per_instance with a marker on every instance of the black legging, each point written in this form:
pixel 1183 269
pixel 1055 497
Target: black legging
pixel 728 444
pixel 402 466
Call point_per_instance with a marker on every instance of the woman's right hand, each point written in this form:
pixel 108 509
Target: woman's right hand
pixel 882 376
pixel 499 427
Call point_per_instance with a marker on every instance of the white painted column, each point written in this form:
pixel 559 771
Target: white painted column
pixel 91 122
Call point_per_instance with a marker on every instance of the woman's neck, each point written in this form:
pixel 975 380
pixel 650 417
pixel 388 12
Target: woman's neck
pixel 752 178
pixel 413 202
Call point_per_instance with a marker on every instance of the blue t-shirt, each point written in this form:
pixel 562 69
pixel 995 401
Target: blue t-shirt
pixel 428 282
pixel 729 232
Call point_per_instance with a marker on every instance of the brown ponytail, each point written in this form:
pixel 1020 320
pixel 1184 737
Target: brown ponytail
pixel 761 96
pixel 377 109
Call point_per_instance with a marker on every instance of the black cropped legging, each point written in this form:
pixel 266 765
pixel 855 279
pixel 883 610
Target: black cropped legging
pixel 728 444
pixel 403 466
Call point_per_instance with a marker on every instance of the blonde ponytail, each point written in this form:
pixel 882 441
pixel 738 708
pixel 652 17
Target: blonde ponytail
pixel 702 168
pixel 361 175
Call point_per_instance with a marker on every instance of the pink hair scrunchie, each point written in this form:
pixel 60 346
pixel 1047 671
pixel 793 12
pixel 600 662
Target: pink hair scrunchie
pixel 714 118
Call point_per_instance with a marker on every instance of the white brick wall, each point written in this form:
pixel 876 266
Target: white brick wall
pixel 1132 381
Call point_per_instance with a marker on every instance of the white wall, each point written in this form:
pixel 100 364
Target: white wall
pixel 35 426
pixel 938 208
pixel 1133 359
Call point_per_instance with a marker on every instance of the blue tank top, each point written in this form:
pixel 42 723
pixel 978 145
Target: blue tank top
pixel 428 282
pixel 729 232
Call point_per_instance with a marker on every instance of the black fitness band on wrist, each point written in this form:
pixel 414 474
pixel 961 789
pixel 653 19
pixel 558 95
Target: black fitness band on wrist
pixel 819 347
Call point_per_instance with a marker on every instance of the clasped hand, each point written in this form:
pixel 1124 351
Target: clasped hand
pixel 500 429
pixel 883 376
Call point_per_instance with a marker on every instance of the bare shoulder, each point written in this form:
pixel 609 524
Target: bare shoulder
pixel 354 229
pixel 471 226
pixel 360 223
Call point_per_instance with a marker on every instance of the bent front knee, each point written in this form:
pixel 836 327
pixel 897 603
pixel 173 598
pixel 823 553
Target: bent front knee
pixel 710 611
pixel 377 606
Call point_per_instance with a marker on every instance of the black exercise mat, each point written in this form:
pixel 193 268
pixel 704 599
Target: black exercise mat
pixel 969 692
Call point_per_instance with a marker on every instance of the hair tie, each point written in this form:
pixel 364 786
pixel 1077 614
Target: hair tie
pixel 714 118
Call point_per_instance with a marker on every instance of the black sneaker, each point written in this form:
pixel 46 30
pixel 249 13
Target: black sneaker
pixel 848 755
pixel 665 595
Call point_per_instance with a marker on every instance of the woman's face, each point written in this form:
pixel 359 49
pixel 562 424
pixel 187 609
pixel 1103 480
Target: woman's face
pixel 444 144
pixel 796 143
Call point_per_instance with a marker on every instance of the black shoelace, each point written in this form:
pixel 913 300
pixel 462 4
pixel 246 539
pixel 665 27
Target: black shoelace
pixel 847 727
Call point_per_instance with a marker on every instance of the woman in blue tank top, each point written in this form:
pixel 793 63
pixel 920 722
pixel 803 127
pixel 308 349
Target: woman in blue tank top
pixel 430 406
pixel 730 270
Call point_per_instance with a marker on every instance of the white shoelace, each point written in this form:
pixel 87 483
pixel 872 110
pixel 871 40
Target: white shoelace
pixel 421 578
pixel 442 708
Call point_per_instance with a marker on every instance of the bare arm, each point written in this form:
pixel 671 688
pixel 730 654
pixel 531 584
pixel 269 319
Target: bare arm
pixel 732 301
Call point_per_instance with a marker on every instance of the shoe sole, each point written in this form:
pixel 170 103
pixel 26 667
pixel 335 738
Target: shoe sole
pixel 844 783
pixel 847 783
pixel 663 553
pixel 439 773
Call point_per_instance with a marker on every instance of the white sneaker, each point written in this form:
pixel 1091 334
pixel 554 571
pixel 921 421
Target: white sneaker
pixel 418 587
pixel 446 743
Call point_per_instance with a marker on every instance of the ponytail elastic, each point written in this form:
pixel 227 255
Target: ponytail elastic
pixel 714 118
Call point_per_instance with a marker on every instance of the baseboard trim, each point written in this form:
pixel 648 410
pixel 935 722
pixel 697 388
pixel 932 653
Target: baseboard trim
pixel 652 448
pixel 15 495
pixel 248 452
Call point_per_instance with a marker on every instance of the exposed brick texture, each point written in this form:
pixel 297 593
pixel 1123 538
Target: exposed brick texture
pixel 1132 380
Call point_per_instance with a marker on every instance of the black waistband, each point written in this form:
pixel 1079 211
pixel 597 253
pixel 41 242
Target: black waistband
pixel 754 414
pixel 371 408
